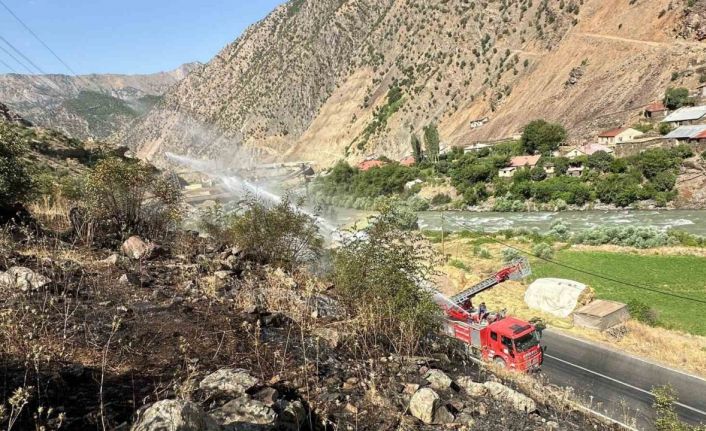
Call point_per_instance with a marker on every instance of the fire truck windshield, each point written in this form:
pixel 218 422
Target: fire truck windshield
pixel 527 341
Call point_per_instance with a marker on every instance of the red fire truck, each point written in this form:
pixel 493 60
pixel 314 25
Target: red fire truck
pixel 507 341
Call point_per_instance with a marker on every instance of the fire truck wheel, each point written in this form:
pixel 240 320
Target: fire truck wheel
pixel 499 362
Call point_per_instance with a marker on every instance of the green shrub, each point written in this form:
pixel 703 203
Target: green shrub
pixel 458 264
pixel 129 197
pixel 481 252
pixel 666 417
pixel 677 97
pixel 279 235
pixel 379 277
pixel 510 255
pixel 543 250
pixel 665 128
pixel 16 183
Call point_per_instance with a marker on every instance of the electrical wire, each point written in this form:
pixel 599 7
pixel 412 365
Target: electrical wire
pixel 614 280
pixel 27 59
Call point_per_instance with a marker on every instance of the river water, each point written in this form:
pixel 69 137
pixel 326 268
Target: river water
pixel 692 221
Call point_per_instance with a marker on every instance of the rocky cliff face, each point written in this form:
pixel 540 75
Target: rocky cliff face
pixel 90 106
pixel 311 81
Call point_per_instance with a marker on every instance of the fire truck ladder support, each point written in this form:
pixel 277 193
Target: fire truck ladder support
pixel 518 270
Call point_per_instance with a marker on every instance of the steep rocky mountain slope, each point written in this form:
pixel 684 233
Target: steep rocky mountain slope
pixel 311 81
pixel 90 106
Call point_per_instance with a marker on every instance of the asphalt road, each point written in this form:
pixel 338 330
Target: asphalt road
pixel 618 385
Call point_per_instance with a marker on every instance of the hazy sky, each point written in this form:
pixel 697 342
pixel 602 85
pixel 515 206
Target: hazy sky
pixel 126 36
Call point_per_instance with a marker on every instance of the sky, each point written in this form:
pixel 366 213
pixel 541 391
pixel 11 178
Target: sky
pixel 126 36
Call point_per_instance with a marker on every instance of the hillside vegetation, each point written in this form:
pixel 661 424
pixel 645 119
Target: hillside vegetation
pixel 312 80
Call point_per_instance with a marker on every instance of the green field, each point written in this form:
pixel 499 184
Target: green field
pixel 682 275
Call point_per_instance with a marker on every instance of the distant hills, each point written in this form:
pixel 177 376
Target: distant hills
pixel 313 80
pixel 89 106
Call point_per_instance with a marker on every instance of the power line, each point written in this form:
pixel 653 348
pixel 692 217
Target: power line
pixel 12 69
pixel 45 45
pixel 18 61
pixel 39 69
pixel 38 38
pixel 614 280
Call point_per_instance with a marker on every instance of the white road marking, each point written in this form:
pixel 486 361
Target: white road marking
pixel 622 383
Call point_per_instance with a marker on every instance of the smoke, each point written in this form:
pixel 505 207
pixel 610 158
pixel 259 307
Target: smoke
pixel 241 186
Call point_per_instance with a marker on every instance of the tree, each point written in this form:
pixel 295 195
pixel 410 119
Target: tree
pixel 600 161
pixel 538 173
pixel 416 148
pixel 677 97
pixel 431 142
pixel 542 137
pixel 16 183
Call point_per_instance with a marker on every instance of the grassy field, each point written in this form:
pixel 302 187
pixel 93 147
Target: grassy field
pixel 683 275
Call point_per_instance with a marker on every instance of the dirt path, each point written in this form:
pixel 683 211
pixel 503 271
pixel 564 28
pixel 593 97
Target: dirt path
pixel 624 39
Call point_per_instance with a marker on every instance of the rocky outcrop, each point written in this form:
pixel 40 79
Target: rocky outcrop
pixel 23 279
pixel 10 117
pixel 424 404
pixel 136 248
pixel 174 415
pixel 228 382
pixel 517 400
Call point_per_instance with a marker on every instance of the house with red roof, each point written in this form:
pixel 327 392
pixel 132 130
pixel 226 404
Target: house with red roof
pixel 587 150
pixel 655 111
pixel 517 163
pixel 369 164
pixel 620 134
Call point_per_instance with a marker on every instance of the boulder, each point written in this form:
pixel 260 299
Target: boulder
pixel 174 415
pixel 517 400
pixel 267 396
pixel 232 382
pixel 24 279
pixel 238 413
pixel 472 388
pixel 438 379
pixel 442 415
pixel 129 279
pixel 423 405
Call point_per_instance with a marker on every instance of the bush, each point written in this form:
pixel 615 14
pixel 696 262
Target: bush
pixel 665 128
pixel 642 312
pixel 279 235
pixel 543 250
pixel 638 237
pixel 398 213
pixel 675 98
pixel 129 197
pixel 559 230
pixel 16 184
pixel 440 199
pixel 510 255
pixel 481 252
pixel 666 417
pixel 600 161
pixel 542 137
pixel 380 275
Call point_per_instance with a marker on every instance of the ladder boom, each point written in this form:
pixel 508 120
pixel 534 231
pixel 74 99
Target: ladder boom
pixel 519 269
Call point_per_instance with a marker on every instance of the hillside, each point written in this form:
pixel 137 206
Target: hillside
pixel 310 81
pixel 90 106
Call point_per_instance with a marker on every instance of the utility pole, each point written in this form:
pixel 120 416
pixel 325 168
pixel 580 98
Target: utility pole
pixel 443 243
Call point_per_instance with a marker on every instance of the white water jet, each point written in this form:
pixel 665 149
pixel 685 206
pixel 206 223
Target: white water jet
pixel 236 184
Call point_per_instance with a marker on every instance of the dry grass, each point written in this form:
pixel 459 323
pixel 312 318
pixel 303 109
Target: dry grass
pixel 52 212
pixel 672 348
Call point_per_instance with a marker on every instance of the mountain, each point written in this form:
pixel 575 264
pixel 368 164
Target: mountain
pixel 89 106
pixel 324 79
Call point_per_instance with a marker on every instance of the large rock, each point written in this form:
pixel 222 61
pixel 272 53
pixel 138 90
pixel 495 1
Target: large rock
pixel 438 379
pixel 472 388
pixel 174 415
pixel 232 382
pixel 245 412
pixel 135 248
pixel 24 279
pixel 423 405
pixel 517 400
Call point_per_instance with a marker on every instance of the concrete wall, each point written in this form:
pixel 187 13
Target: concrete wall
pixel 633 148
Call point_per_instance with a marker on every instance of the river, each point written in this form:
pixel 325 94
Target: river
pixel 692 221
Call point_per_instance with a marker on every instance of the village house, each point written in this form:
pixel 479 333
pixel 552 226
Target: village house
pixel 574 171
pixel 615 136
pixel 408 161
pixel 549 169
pixel 701 90
pixel 655 111
pixel 686 134
pixel 519 162
pixel 687 116
pixel 587 150
pixel 479 122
